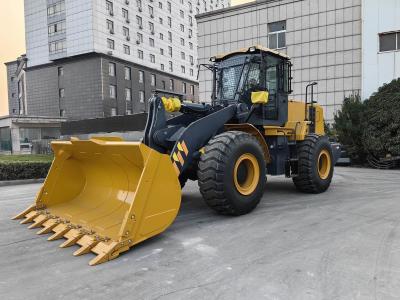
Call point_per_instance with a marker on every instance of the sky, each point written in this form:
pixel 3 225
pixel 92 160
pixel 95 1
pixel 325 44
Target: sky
pixel 12 40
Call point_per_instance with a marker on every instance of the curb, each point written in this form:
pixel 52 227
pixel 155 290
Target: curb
pixel 20 181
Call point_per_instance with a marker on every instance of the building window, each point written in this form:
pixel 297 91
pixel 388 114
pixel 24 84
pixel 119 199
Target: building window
pixel 160 20
pixel 182 14
pixel 151 11
pixel 60 71
pixel 141 96
pixel 182 41
pixel 191 59
pixel 139 21
pixel 163 84
pixel 170 36
pixel 139 3
pixel 169 22
pixel 151 42
pixel 62 112
pixel 141 76
pixel 170 51
pixel 125 32
pixel 129 111
pixel 152 58
pixel 160 5
pixel 56 28
pixel 184 87
pixel 183 56
pixel 127 49
pixel 113 91
pixel 109 8
pixel 139 37
pixel 161 36
pixel 171 84
pixel 153 80
pixel 128 94
pixel 110 26
pixel 192 89
pixel 151 27
pixel 191 45
pixel 277 35
pixel 127 73
pixel 111 69
pixel 191 72
pixel 171 69
pixel 56 8
pixel 183 69
pixel 182 27
pixel 169 7
pixel 162 67
pixel 61 93
pixel 161 51
pixel 190 33
pixel 140 54
pixel 113 112
pixel 110 44
pixel 389 41
pixel 125 14
pixel 57 47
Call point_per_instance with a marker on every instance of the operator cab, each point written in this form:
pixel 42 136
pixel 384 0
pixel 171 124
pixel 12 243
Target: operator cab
pixel 256 69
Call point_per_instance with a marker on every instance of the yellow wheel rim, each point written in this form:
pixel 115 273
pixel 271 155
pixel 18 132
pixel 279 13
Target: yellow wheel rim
pixel 324 164
pixel 246 174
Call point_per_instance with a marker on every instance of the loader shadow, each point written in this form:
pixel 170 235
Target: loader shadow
pixel 279 195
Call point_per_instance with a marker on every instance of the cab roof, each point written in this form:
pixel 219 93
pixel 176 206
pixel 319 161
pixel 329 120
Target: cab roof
pixel 251 49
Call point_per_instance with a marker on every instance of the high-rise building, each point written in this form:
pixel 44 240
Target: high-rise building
pixel 105 57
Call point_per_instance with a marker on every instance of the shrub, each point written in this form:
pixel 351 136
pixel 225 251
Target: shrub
pixel 23 170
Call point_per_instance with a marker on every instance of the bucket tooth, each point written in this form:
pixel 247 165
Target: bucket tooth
pixel 59 230
pixel 48 226
pixel 25 212
pixel 105 251
pixel 72 237
pixel 29 217
pixel 38 221
pixel 87 242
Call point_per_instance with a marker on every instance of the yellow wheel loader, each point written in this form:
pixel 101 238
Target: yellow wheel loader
pixel 107 195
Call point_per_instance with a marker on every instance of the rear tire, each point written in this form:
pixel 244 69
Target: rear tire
pixel 231 173
pixel 315 164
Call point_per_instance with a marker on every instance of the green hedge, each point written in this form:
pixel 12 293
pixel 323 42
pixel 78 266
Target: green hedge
pixel 23 170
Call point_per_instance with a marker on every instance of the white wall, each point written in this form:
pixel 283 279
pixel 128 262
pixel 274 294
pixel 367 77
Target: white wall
pixel 378 68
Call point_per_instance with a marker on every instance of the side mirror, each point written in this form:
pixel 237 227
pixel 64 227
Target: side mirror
pixel 259 97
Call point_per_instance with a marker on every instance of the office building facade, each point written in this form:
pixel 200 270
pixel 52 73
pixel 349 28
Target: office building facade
pixel 350 47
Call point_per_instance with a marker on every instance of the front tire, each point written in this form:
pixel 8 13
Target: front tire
pixel 315 164
pixel 231 173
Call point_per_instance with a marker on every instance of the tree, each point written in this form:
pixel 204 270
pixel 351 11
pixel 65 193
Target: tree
pixel 349 127
pixel 381 135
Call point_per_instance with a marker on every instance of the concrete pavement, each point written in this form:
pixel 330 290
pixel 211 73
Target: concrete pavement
pixel 343 244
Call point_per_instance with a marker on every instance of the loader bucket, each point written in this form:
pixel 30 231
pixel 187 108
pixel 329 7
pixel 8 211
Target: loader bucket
pixel 105 195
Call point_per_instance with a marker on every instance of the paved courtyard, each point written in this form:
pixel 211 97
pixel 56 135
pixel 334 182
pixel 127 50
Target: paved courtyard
pixel 343 244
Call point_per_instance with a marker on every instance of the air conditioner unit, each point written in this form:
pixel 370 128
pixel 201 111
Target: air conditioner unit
pixel 128 21
pixel 137 42
pixel 128 38
pixel 110 53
